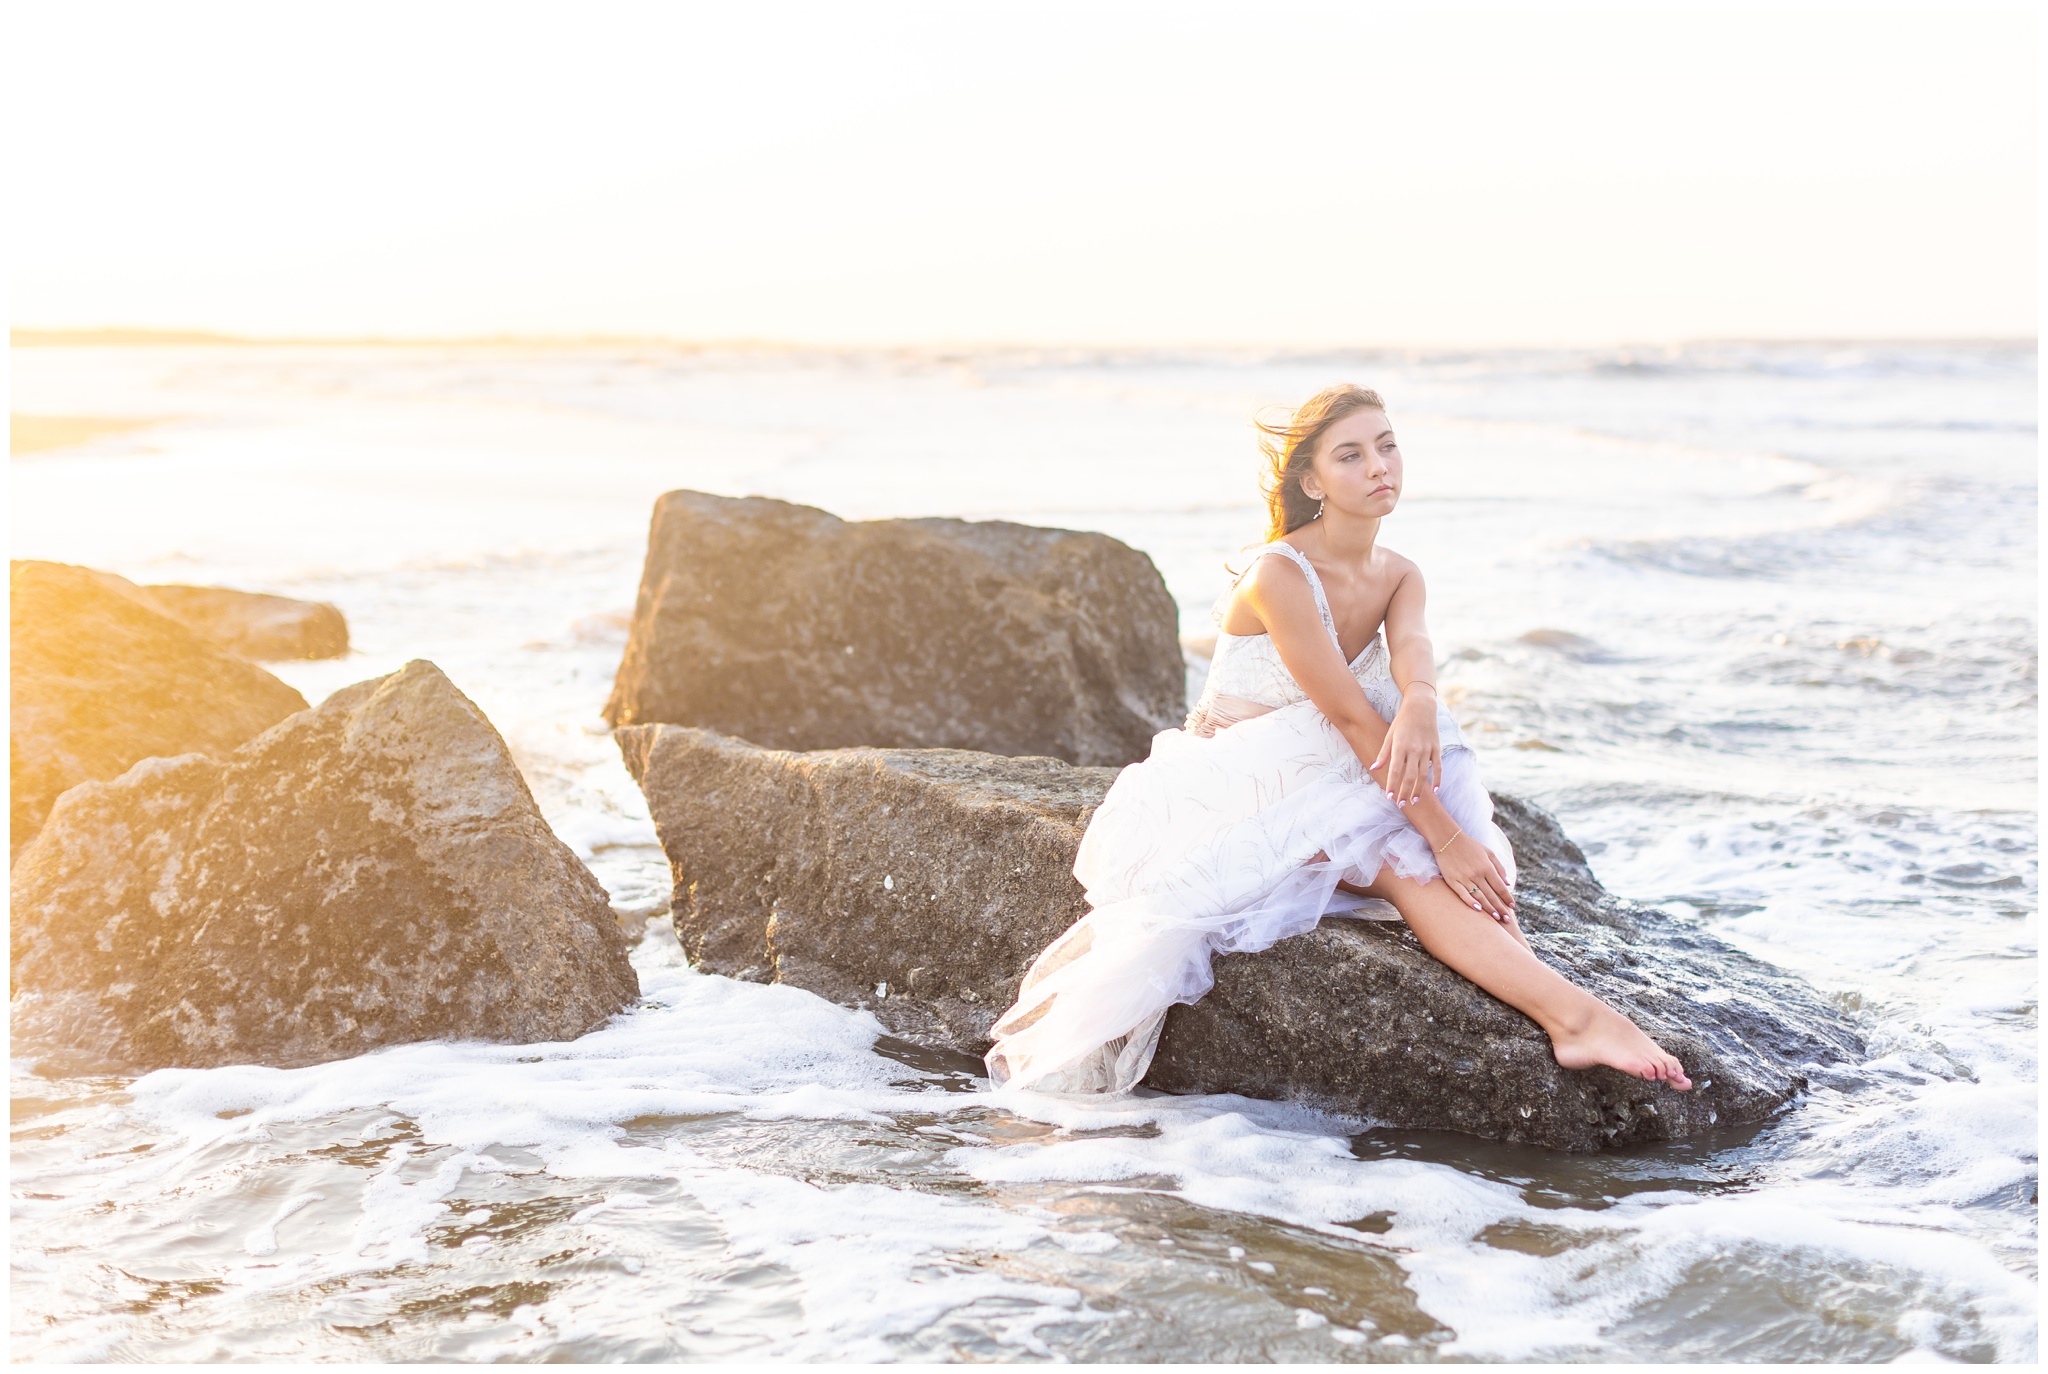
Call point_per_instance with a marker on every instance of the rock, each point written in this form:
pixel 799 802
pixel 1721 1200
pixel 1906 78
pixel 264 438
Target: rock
pixel 939 872
pixel 256 624
pixel 367 873
pixel 920 885
pixel 795 629
pixel 1360 1018
pixel 102 678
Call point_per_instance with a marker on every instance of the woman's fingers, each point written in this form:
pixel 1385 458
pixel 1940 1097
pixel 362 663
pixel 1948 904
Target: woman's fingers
pixel 1470 891
pixel 1461 888
pixel 1487 893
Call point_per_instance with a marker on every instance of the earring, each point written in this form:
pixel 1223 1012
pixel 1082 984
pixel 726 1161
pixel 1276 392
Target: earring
pixel 1319 507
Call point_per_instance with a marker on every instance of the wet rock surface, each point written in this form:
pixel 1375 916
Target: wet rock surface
pixel 920 885
pixel 256 624
pixel 102 677
pixel 790 627
pixel 371 872
pixel 1357 1016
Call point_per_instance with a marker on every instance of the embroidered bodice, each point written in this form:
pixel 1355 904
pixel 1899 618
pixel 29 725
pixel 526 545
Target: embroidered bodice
pixel 1247 678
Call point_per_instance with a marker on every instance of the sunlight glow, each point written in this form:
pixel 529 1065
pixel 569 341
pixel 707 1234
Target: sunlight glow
pixel 1140 174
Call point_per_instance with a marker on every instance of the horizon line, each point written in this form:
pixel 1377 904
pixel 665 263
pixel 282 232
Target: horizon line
pixel 32 337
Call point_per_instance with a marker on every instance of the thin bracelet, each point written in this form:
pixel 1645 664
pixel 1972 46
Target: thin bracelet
pixel 1447 843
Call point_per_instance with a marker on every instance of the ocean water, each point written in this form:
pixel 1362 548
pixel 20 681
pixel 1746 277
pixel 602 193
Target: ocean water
pixel 1758 622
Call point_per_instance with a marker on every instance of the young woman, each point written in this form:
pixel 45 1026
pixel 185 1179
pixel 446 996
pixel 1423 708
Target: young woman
pixel 1317 759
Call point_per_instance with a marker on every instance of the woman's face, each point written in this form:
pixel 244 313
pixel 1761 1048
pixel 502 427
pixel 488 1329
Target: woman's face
pixel 1357 466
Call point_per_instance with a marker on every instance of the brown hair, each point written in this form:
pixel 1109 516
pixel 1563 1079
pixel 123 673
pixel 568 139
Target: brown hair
pixel 1290 449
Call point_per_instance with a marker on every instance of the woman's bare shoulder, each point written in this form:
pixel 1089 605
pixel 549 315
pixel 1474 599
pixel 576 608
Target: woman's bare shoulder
pixel 1272 572
pixel 1273 581
pixel 1399 567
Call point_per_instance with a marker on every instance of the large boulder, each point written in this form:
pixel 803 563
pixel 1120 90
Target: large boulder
pixel 256 624
pixel 102 677
pixel 1360 1017
pixel 935 875
pixel 370 872
pixel 920 885
pixel 793 628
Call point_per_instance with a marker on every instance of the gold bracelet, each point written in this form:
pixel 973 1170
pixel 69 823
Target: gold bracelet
pixel 1447 843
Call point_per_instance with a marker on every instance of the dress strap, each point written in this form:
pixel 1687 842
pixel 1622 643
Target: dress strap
pixel 1315 583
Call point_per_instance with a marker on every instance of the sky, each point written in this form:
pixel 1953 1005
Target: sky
pixel 1256 174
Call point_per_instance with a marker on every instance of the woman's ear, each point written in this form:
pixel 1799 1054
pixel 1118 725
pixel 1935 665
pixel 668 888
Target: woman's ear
pixel 1310 487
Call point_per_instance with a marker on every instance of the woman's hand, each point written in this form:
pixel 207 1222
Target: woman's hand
pixel 1477 877
pixel 1411 758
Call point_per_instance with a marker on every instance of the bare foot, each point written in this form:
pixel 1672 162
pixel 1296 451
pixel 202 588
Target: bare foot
pixel 1612 1039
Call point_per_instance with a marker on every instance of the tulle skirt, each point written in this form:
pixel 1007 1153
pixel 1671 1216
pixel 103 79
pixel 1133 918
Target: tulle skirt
pixel 1218 845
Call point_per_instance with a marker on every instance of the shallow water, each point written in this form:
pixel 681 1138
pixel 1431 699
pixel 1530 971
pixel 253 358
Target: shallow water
pixel 1757 622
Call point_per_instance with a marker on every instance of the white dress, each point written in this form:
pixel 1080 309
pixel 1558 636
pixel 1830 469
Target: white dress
pixel 1231 836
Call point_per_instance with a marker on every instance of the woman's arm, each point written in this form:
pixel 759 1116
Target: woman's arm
pixel 1412 754
pixel 1277 592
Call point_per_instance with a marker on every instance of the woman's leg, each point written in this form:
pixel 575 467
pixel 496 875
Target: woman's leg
pixel 1510 925
pixel 1583 1030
